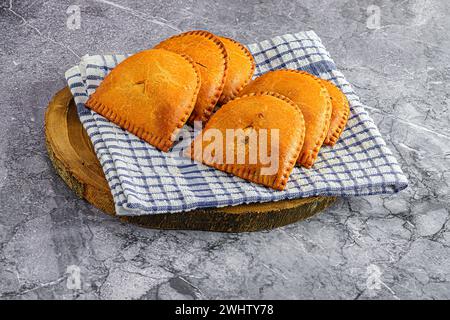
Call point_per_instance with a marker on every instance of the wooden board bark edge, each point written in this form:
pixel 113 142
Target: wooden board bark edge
pixel 72 155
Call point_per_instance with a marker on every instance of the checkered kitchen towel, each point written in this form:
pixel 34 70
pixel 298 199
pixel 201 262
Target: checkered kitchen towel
pixel 144 180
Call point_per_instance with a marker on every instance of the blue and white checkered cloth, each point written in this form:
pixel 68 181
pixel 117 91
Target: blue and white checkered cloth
pixel 144 180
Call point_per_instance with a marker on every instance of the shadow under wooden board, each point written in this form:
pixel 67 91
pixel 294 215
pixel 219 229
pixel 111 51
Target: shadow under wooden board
pixel 73 157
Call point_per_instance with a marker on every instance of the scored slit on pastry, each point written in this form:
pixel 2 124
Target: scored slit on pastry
pixel 209 53
pixel 310 95
pixel 241 66
pixel 238 129
pixel 339 114
pixel 151 94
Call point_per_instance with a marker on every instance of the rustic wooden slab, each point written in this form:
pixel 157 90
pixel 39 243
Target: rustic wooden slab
pixel 73 157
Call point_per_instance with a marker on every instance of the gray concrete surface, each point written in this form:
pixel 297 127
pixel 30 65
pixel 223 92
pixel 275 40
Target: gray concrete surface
pixel 393 247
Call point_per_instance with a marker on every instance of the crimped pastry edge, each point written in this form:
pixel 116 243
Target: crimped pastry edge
pixel 332 137
pixel 209 109
pixel 307 159
pixel 278 181
pixel 235 92
pixel 159 142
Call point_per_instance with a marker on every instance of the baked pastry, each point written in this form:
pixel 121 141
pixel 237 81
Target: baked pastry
pixel 241 67
pixel 210 55
pixel 234 139
pixel 151 94
pixel 339 114
pixel 310 95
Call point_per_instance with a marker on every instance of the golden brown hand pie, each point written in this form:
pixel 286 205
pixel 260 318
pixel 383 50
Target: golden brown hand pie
pixel 241 67
pixel 310 95
pixel 210 55
pixel 239 139
pixel 339 114
pixel 151 94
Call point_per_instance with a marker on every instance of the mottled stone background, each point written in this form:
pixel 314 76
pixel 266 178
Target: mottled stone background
pixel 394 247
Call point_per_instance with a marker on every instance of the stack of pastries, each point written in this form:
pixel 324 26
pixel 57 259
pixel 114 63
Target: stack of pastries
pixel 199 76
